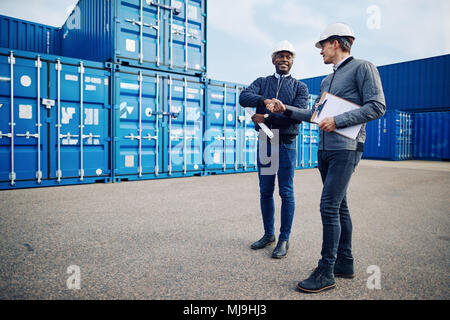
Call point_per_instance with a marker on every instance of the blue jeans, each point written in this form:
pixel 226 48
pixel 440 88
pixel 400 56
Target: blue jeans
pixel 336 169
pixel 286 167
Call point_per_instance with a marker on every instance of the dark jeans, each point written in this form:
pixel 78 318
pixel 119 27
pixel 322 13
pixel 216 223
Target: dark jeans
pixel 285 172
pixel 336 169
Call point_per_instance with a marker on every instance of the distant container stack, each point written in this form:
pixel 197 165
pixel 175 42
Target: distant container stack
pixel 432 136
pixel 417 102
pixel 411 86
pixel 390 137
pixel 17 34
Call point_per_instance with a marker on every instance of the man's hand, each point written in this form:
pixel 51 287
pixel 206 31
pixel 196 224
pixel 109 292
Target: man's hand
pixel 328 124
pixel 275 105
pixel 278 106
pixel 269 104
pixel 258 118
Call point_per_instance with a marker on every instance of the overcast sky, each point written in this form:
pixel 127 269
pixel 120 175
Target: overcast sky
pixel 242 33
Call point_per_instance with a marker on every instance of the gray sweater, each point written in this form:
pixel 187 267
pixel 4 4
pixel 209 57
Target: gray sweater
pixel 357 81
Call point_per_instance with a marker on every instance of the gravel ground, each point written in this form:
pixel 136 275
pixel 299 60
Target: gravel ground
pixel 189 238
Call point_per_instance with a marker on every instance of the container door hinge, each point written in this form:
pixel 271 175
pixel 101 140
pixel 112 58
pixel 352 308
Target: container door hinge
pixel 12 177
pixel 39 176
pixel 81 174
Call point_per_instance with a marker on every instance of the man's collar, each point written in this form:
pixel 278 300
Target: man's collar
pixel 337 65
pixel 282 76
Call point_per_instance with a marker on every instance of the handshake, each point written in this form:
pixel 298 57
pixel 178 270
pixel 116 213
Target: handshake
pixel 274 105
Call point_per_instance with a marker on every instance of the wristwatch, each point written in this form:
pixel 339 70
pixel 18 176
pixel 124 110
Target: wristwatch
pixel 266 115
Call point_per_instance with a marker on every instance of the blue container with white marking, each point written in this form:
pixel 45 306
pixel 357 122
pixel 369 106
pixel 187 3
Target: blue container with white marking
pixel 230 138
pixel 158 124
pixel 54 120
pixel 308 142
pixel 168 35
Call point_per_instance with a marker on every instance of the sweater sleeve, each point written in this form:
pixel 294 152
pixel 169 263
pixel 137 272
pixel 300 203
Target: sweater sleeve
pixel 372 96
pixel 251 96
pixel 298 114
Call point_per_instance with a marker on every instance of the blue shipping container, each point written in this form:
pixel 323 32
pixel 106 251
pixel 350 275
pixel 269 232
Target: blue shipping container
pixel 158 125
pixel 432 136
pixel 54 121
pixel 17 34
pixel 390 137
pixel 313 84
pixel 168 35
pixel 230 138
pixel 308 141
pixel 412 86
pixel 231 141
pixel 417 85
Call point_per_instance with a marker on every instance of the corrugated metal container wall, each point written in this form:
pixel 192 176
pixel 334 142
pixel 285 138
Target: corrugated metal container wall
pixel 17 34
pixel 230 138
pixel 158 125
pixel 432 136
pixel 54 121
pixel 166 35
pixel 390 137
pixel 313 84
pixel 308 142
pixel 413 86
pixel 417 85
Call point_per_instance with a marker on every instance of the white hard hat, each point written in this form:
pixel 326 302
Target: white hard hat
pixel 335 29
pixel 284 46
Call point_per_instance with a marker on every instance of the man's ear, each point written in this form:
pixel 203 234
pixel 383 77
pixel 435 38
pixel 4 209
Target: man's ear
pixel 336 44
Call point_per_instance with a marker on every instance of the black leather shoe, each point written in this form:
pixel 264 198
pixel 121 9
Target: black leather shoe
pixel 343 268
pixel 320 280
pixel 281 249
pixel 263 242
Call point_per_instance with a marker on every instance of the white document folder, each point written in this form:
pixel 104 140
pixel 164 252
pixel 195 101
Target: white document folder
pixel 330 106
pixel 265 128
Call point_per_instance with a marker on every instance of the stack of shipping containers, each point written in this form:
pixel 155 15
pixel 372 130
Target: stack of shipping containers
pixel 416 122
pixel 118 93
pixel 157 50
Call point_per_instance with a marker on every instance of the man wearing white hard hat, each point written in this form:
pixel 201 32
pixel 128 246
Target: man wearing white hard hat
pixel 281 85
pixel 357 81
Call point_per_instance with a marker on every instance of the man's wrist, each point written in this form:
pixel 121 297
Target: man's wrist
pixel 287 113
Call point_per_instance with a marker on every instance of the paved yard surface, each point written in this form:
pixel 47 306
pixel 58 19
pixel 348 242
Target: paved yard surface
pixel 189 238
